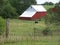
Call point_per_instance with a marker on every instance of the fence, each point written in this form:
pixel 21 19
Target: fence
pixel 26 33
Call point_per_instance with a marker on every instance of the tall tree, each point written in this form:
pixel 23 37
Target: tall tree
pixel 21 5
pixel 1 5
pixel 7 10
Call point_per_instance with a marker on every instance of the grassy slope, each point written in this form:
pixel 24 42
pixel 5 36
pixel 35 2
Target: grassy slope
pixel 21 33
pixel 48 6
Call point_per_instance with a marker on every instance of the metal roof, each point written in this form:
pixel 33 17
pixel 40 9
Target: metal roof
pixel 38 8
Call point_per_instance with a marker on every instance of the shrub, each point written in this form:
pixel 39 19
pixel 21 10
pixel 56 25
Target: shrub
pixel 47 31
pixel 2 26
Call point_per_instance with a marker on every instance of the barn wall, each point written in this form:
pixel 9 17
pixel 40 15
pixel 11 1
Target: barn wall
pixel 25 18
pixel 39 15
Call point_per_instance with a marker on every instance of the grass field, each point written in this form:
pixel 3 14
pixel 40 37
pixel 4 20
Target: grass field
pixel 48 6
pixel 22 33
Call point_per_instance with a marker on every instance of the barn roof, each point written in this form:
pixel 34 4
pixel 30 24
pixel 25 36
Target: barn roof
pixel 32 10
pixel 38 8
pixel 28 13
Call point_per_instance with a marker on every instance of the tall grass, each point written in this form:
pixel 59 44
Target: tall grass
pixel 21 32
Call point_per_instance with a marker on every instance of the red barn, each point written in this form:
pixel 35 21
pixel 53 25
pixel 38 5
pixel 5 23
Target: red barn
pixel 33 12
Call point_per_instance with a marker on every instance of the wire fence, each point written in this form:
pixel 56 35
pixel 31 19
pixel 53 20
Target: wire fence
pixel 30 36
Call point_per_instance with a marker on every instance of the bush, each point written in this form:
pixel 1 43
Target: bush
pixel 2 26
pixel 46 31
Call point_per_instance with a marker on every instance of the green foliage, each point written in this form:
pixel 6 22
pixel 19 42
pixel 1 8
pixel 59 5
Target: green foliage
pixel 8 10
pixel 21 5
pixel 2 26
pixel 47 31
pixel 58 11
pixel 53 15
pixel 48 6
pixel 48 3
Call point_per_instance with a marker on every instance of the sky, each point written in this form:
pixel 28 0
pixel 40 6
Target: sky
pixel 42 1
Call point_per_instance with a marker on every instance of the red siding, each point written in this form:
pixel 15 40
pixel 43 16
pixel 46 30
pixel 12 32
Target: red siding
pixel 39 15
pixel 25 18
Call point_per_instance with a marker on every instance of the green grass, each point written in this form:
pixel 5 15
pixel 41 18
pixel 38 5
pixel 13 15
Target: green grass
pixel 48 6
pixel 21 33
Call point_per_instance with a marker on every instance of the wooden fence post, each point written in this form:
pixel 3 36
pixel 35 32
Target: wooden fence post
pixel 7 27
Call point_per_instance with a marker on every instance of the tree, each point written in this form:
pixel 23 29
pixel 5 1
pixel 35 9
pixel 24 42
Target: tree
pixel 21 5
pixel 1 5
pixel 7 10
pixel 53 15
pixel 48 3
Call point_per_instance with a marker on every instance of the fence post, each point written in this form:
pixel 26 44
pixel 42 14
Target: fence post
pixel 7 27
